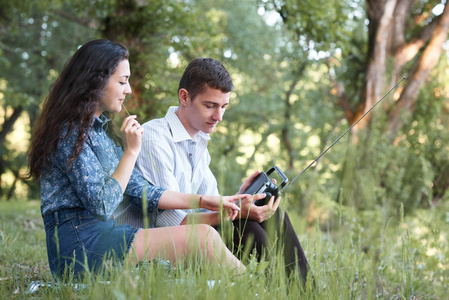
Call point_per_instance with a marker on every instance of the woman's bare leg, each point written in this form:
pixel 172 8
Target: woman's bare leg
pixel 178 242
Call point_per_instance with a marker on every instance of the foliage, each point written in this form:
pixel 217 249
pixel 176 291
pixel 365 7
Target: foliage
pixel 34 47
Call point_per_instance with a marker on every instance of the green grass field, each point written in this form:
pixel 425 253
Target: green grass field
pixel 353 255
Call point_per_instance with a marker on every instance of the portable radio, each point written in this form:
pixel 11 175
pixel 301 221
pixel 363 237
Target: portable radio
pixel 264 184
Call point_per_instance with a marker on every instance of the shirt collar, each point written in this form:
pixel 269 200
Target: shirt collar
pixel 101 121
pixel 178 130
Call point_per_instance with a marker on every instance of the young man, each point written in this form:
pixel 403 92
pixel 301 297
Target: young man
pixel 174 156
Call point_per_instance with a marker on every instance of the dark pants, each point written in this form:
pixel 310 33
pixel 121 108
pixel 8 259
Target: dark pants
pixel 274 233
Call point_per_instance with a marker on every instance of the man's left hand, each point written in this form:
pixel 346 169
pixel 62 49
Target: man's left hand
pixel 256 213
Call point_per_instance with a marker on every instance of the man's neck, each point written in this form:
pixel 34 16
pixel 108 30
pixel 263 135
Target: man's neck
pixel 184 121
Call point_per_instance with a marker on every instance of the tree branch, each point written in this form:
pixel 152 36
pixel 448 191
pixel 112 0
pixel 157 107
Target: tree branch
pixel 420 73
pixel 405 52
pixel 401 13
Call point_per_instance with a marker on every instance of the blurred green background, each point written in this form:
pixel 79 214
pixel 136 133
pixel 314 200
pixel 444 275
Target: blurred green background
pixel 304 71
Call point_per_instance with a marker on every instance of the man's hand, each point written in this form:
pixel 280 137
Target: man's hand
pixel 256 213
pixel 248 182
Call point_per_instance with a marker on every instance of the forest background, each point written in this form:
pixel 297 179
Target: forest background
pixel 304 71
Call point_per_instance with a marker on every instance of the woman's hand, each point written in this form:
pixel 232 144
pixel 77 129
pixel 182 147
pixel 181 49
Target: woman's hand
pixel 226 203
pixel 256 213
pixel 131 133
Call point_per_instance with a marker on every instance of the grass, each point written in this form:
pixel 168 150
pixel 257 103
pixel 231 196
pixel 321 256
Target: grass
pixel 353 255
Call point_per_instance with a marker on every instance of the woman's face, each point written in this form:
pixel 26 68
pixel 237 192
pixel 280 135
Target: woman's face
pixel 117 89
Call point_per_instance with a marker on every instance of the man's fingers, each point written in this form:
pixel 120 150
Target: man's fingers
pixel 254 175
pixel 276 203
pixel 270 202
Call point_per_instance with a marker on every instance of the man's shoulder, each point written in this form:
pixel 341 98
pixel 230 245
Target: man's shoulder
pixel 155 123
pixel 157 129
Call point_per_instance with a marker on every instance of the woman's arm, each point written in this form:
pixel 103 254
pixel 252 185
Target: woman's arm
pixel 211 218
pixel 174 200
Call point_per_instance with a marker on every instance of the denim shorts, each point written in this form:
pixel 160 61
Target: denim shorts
pixel 77 241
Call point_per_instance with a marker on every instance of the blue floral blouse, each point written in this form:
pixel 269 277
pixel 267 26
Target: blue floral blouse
pixel 89 183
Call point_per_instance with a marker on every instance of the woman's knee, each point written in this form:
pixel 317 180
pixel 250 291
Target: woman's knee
pixel 206 232
pixel 208 237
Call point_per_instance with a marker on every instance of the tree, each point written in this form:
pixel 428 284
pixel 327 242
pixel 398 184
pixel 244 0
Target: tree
pixel 33 45
pixel 367 48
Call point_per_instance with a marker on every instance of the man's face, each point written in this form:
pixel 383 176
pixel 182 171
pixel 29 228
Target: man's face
pixel 205 111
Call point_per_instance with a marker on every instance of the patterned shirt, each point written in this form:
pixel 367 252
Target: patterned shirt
pixel 88 184
pixel 171 159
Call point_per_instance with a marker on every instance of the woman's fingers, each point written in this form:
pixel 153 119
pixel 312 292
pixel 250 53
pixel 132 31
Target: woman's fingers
pixel 230 203
pixel 131 133
pixel 127 122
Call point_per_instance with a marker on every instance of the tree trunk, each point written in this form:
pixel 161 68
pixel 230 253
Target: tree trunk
pixel 7 128
pixel 387 37
pixel 419 74
pixel 380 15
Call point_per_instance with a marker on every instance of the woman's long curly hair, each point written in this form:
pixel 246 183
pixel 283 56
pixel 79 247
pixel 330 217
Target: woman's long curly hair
pixel 73 100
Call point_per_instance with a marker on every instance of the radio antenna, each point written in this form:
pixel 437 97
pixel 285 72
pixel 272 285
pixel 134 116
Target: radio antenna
pixel 355 123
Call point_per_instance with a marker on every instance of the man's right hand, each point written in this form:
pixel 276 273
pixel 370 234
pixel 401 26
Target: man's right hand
pixel 248 182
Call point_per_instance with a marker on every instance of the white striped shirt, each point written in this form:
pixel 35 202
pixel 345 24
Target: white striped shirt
pixel 169 158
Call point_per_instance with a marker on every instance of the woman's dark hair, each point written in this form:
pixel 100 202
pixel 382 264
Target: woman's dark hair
pixel 205 71
pixel 73 100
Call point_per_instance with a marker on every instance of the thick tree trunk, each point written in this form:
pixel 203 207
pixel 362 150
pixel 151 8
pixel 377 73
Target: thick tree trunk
pixel 7 128
pixel 386 30
pixel 123 25
pixel 426 62
pixel 380 14
pixel 9 123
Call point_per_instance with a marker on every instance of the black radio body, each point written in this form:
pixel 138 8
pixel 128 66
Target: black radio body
pixel 263 183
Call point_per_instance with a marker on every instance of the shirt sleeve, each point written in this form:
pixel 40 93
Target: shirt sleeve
pixel 156 164
pixel 138 186
pixel 97 190
pixel 209 186
pixel 138 189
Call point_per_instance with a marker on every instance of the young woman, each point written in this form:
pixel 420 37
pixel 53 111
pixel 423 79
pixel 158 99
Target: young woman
pixel 84 174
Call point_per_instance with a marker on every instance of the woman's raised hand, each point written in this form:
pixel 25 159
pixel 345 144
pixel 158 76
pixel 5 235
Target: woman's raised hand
pixel 131 133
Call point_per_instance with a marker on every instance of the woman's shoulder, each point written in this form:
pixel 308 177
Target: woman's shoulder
pixel 68 137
